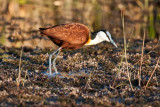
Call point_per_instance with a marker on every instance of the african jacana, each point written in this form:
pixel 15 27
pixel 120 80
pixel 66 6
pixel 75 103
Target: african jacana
pixel 73 36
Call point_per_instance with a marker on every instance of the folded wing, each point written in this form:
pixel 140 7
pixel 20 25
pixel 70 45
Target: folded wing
pixel 73 33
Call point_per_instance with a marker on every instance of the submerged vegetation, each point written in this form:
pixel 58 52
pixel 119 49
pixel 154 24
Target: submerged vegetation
pixel 91 76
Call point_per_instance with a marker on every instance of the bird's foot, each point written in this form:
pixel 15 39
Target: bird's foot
pixel 53 74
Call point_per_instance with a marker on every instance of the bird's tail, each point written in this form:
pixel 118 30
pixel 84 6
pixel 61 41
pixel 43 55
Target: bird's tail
pixel 42 31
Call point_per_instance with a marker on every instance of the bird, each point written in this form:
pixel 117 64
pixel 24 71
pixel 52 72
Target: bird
pixel 72 36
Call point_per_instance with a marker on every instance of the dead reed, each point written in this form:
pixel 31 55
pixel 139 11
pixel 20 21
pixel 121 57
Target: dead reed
pixel 125 49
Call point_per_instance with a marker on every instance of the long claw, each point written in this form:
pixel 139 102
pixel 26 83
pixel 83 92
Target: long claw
pixel 52 75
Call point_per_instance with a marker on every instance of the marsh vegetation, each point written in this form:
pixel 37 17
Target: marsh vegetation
pixel 91 76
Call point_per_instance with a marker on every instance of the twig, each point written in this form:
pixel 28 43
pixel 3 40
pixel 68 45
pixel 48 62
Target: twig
pixel 19 74
pixel 152 73
pixel 146 54
pixel 140 3
pixel 140 68
pixel 125 49
pixel 88 81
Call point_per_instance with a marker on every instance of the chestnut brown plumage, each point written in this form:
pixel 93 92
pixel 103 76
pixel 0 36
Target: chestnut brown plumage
pixel 69 36
pixel 72 36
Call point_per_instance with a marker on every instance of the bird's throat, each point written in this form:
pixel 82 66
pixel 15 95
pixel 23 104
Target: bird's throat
pixel 94 41
pixel 91 42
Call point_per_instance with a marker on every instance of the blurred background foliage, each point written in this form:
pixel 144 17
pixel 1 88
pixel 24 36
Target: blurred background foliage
pixel 21 19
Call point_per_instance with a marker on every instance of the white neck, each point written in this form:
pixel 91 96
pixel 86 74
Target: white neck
pixel 93 42
pixel 98 39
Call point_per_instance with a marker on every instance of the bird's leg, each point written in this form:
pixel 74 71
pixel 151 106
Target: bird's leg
pixel 54 62
pixel 50 57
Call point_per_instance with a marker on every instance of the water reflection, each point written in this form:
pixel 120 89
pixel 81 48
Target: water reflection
pixel 21 19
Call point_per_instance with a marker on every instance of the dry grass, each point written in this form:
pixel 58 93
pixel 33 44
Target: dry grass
pixel 88 81
pixel 125 49
pixel 152 73
pixel 19 69
pixel 121 62
pixel 141 61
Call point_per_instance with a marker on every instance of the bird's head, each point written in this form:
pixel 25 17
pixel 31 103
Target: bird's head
pixel 104 35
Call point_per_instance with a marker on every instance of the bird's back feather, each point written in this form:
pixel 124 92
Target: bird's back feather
pixel 73 33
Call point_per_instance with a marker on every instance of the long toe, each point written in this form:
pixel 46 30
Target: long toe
pixel 53 75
